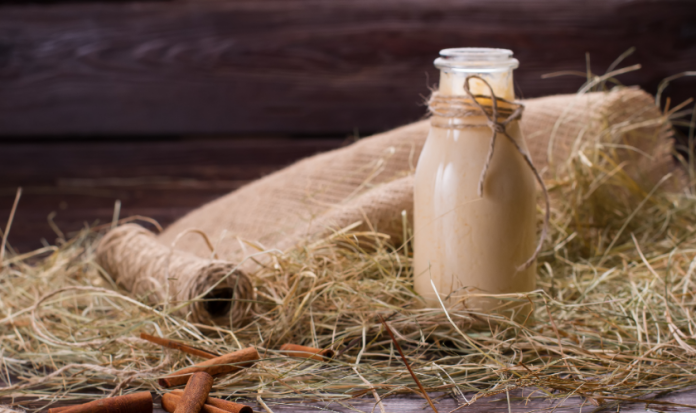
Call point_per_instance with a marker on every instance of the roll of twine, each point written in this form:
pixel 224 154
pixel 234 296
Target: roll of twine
pixel 210 291
pixel 497 119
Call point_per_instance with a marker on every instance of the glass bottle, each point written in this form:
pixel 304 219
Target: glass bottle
pixel 468 243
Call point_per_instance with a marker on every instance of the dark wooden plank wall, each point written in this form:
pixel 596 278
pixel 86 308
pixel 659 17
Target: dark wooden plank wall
pixel 118 100
pixel 300 66
pixel 80 181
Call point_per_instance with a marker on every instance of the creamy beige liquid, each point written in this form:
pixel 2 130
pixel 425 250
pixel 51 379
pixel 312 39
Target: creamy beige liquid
pixel 465 243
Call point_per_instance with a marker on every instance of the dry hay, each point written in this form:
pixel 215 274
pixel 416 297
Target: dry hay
pixel 613 316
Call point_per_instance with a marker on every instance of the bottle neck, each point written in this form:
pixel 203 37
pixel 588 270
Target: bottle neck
pixel 493 65
pixel 452 83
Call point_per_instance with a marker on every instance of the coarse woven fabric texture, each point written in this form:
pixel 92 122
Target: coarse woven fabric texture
pixel 367 185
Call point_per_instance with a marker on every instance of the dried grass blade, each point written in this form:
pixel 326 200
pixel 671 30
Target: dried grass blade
pixel 403 358
pixel 9 225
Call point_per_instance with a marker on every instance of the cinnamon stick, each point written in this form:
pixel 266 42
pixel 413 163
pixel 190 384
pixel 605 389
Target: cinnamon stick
pixel 60 408
pixel 178 346
pixel 195 393
pixel 170 402
pixel 212 405
pixel 294 350
pixel 220 365
pixel 132 403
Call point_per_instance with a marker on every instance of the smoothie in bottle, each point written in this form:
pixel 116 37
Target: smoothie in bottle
pixel 469 242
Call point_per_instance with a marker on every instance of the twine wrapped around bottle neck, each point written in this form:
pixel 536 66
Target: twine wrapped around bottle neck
pixel 497 119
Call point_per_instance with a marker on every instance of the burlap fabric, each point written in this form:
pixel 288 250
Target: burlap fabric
pixel 370 182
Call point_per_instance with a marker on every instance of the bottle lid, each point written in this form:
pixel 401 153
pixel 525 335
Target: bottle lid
pixel 476 60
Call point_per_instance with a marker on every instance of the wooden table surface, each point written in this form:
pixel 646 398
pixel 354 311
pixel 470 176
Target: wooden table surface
pixel 499 403
pixel 519 401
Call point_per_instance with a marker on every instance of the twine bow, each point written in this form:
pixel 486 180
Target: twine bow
pixel 459 107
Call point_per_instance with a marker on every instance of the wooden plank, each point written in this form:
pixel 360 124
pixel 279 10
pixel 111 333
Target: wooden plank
pixel 518 403
pixel 164 180
pixel 301 66
pixel 201 159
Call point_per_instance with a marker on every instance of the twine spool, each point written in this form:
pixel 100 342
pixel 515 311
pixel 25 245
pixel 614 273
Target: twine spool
pixel 158 274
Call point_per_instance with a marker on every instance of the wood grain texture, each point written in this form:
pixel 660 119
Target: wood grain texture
pixel 301 66
pixel 521 401
pixel 518 403
pixel 80 182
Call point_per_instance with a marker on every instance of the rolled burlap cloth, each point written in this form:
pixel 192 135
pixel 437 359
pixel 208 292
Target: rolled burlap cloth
pixel 370 183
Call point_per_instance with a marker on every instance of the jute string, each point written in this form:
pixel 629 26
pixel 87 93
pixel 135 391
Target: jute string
pixel 497 119
pixel 163 274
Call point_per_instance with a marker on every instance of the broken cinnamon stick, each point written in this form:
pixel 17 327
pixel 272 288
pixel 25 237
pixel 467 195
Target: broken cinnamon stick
pixel 132 403
pixel 220 403
pixel 212 405
pixel 178 346
pixel 220 365
pixel 294 350
pixel 195 393
pixel 170 402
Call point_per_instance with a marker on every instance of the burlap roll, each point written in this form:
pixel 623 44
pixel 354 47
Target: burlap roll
pixel 371 181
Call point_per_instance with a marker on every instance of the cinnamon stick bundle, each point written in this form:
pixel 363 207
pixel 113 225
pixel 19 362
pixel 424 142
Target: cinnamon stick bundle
pixel 295 350
pixel 195 393
pixel 212 405
pixel 220 365
pixel 131 403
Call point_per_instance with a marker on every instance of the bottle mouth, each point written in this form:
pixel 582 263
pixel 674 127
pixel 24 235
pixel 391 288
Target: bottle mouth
pixel 476 60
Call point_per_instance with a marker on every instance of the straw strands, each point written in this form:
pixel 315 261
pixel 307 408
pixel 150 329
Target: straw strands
pixel 612 321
